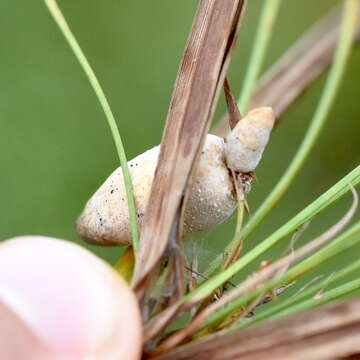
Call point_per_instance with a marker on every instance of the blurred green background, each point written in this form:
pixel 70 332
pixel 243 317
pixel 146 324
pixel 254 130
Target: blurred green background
pixel 56 148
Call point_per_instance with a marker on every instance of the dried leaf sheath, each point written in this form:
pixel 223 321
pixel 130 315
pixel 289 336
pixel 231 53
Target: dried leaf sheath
pixel 197 87
pixel 328 332
pixel 285 81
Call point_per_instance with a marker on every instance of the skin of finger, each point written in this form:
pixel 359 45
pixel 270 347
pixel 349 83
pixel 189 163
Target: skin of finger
pixel 75 302
pixel 17 339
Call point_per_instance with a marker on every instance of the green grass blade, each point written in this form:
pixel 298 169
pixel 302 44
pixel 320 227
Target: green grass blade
pixel 210 285
pixel 326 199
pixel 236 242
pixel 288 309
pixel 331 295
pixel 340 244
pixel 327 99
pixel 267 20
pixel 264 31
pixel 277 311
pixel 70 38
pixel 283 279
pixel 334 248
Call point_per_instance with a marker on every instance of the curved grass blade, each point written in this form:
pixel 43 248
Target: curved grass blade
pixel 326 199
pixel 296 69
pixel 337 246
pixel 332 85
pixel 254 286
pixel 210 285
pixel 261 43
pixel 267 20
pixel 75 47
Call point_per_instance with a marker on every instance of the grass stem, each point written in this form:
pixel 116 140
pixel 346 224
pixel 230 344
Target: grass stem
pixel 264 31
pixel 327 99
pixel 340 244
pixel 79 54
pixel 329 197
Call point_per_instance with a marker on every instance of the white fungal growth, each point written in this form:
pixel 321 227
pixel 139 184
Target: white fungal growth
pixel 212 197
pixel 246 142
pixel 105 219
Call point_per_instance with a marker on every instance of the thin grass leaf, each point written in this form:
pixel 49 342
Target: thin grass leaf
pixel 340 244
pixel 267 20
pixel 259 279
pixel 347 34
pixel 237 243
pixel 330 295
pixel 333 249
pixel 79 54
pixel 297 69
pixel 326 199
pixel 210 285
pixel 264 30
pixel 254 285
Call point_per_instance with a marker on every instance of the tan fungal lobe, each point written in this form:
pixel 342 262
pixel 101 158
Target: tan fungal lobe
pixel 105 219
pixel 212 198
pixel 246 143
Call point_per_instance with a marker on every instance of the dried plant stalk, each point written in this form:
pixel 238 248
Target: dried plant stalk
pixel 310 56
pixel 197 87
pixel 328 332
pixel 234 115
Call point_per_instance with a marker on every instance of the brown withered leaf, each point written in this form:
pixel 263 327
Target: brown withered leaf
pixel 328 332
pixel 233 110
pixel 285 81
pixel 197 87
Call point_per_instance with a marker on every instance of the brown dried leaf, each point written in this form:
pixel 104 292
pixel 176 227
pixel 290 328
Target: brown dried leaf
pixel 285 81
pixel 328 332
pixel 233 110
pixel 197 87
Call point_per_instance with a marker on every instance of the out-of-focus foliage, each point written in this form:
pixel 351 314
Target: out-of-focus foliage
pixel 56 149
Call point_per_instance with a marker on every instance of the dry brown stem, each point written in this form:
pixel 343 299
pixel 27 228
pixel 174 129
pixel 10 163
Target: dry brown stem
pixel 197 88
pixel 233 110
pixel 285 81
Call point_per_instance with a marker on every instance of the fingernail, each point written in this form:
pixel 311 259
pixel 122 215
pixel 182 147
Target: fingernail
pixel 75 302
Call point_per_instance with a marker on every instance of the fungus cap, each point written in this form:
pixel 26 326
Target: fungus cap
pixel 245 144
pixel 105 219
